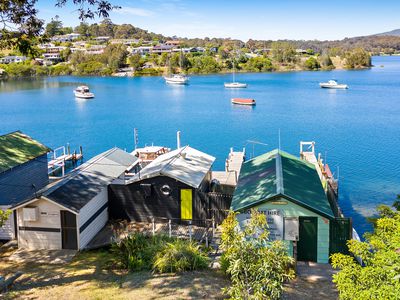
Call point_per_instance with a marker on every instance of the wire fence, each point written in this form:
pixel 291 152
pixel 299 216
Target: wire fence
pixel 202 231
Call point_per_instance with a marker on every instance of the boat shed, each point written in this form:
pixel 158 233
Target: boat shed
pixel 289 191
pixel 70 213
pixel 172 186
pixel 23 172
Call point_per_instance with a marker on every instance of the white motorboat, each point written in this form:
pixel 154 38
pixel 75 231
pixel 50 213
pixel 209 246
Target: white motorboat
pixel 332 84
pixel 83 92
pixel 177 79
pixel 234 84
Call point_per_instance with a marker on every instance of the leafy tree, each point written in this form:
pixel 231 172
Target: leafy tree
pixel 326 61
pixel 22 27
pixel 65 54
pixel 258 64
pixel 54 27
pixel 4 215
pixel 115 56
pixel 379 277
pixel 135 61
pixel 283 52
pixel 256 266
pixel 311 64
pixel 357 58
pixel 82 29
pixel 106 28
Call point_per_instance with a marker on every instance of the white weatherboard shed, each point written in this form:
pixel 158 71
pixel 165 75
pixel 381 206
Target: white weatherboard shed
pixel 69 214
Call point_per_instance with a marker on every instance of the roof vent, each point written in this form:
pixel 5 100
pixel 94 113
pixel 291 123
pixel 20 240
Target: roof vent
pixel 183 154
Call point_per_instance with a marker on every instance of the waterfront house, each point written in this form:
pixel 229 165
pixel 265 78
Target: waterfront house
pixel 23 172
pixel 290 192
pixel 159 49
pixel 173 186
pixel 12 59
pixel 68 214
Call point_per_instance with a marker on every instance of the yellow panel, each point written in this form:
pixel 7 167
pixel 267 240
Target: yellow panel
pixel 186 204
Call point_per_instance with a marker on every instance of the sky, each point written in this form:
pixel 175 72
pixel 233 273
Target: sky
pixel 245 19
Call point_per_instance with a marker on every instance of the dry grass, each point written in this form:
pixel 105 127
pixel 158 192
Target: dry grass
pixel 92 275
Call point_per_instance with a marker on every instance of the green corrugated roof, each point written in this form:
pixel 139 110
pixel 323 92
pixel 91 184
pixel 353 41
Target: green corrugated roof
pixel 279 173
pixel 17 148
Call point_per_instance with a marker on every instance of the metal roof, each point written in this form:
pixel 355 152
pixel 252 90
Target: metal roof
pixel 185 164
pixel 17 148
pixel 278 173
pixel 90 179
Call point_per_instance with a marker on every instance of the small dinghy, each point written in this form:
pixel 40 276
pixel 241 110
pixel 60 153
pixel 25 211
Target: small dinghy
pixel 243 101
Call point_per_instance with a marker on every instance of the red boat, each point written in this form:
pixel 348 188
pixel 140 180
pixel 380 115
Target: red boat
pixel 243 101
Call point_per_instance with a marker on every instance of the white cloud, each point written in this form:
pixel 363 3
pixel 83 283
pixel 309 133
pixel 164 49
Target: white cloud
pixel 134 11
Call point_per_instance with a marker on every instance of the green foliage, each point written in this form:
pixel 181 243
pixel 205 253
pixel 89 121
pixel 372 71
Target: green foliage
pixel 60 69
pixel 312 64
pixel 204 64
pixel 92 68
pixel 25 69
pixel 258 64
pixel 256 266
pixel 54 27
pixel 160 253
pixel 379 278
pixel 326 61
pixel 4 215
pixel 283 52
pixel 357 58
pixel 114 56
pixel 179 256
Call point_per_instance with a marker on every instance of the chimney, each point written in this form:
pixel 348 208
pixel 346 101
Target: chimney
pixel 178 139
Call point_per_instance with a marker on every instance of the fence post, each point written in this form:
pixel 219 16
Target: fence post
pixel 207 228
pixel 213 227
pixel 190 230
pixel 154 226
pixel 169 228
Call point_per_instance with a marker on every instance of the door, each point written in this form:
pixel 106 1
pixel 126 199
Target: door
pixel 308 239
pixel 68 230
pixel 340 231
pixel 186 204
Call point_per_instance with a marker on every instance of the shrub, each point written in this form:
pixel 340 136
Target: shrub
pixel 179 256
pixel 379 277
pixel 137 251
pixel 257 267
pixel 60 69
pixel 159 253
pixel 311 64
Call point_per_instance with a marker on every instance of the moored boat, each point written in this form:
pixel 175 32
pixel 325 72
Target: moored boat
pixel 332 84
pixel 83 92
pixel 177 79
pixel 235 85
pixel 243 101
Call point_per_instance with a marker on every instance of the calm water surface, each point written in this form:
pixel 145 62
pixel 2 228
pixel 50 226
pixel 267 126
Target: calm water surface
pixel 356 129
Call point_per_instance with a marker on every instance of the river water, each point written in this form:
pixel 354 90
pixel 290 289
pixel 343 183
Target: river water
pixel 357 130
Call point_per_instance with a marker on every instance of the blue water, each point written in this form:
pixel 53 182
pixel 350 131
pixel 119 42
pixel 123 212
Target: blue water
pixel 356 129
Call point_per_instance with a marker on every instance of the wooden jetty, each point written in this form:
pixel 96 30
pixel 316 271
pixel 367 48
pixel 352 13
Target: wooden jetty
pixel 61 156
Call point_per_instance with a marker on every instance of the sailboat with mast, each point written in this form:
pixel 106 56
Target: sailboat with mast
pixel 180 79
pixel 234 84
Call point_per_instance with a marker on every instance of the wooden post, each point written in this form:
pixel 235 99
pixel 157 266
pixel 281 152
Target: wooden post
pixel 154 226
pixel 169 228
pixel 81 152
pixel 213 227
pixel 68 149
pixel 295 255
pixel 207 228
pixel 190 230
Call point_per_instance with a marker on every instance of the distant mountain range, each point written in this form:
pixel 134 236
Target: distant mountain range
pixel 395 32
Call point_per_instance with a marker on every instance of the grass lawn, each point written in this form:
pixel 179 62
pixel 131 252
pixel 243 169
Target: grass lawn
pixel 93 275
